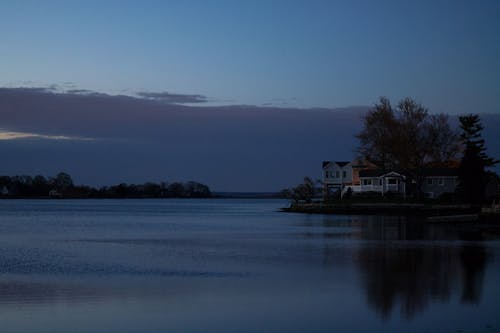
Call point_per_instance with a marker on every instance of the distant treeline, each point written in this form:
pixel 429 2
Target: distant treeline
pixel 61 186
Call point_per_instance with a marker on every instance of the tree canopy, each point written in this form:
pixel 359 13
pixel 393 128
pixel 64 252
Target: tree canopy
pixel 62 186
pixel 406 137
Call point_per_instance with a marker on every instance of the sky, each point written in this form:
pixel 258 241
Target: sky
pixel 272 52
pixel 240 95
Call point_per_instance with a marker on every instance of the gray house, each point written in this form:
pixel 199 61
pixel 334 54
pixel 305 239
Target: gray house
pixel 439 181
pixel 435 181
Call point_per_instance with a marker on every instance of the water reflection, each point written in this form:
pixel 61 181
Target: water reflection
pixel 228 266
pixel 412 264
pixel 474 260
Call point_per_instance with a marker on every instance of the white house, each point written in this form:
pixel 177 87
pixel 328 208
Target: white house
pixel 381 181
pixel 340 175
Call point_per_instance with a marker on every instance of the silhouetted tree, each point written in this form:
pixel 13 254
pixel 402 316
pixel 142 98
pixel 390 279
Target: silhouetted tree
pixel 62 181
pixel 196 190
pixel 302 192
pixel 152 190
pixel 376 137
pixel 176 189
pixel 39 186
pixel 472 172
pixel 406 138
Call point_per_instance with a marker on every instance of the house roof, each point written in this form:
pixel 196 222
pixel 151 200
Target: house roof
pixel 340 164
pixel 378 173
pixel 440 172
pixel 430 172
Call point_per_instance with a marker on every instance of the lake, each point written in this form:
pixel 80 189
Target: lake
pixel 230 265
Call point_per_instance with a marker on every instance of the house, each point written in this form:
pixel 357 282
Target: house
pixel 363 177
pixel 377 180
pixel 434 182
pixel 339 175
pixel 437 181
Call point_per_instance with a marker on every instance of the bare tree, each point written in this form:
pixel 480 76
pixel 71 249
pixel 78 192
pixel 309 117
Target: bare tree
pixel 407 138
pixel 376 137
pixel 444 140
pixel 302 192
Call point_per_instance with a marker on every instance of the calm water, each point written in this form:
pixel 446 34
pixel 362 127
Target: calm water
pixel 238 266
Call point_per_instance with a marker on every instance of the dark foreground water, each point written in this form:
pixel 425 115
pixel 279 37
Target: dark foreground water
pixel 238 266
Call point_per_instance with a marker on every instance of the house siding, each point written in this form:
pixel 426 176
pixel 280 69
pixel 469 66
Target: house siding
pixel 435 186
pixel 334 174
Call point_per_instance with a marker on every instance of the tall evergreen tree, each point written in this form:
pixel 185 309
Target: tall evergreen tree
pixel 471 137
pixel 472 173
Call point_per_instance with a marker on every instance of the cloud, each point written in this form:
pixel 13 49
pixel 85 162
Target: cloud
pixel 12 135
pixel 80 91
pixel 167 97
pixel 240 148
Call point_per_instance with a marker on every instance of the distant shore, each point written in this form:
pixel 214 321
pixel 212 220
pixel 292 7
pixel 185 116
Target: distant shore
pixel 214 195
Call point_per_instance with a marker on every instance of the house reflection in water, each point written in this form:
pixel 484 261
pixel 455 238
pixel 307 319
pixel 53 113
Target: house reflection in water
pixel 412 264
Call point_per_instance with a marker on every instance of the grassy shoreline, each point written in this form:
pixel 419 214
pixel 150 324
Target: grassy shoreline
pixel 378 208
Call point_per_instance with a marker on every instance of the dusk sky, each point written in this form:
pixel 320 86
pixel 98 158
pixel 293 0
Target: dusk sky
pixel 293 53
pixel 185 65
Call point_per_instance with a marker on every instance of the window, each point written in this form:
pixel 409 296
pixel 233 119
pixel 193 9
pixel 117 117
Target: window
pixel 367 181
pixel 429 181
pixel 441 181
pixel 392 181
pixel 344 174
pixel 337 174
pixel 380 182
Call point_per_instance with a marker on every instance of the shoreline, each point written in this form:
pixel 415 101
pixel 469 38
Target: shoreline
pixel 418 209
pixel 432 212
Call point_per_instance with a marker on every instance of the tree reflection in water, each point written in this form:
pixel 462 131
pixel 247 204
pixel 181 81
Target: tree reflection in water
pixel 413 263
